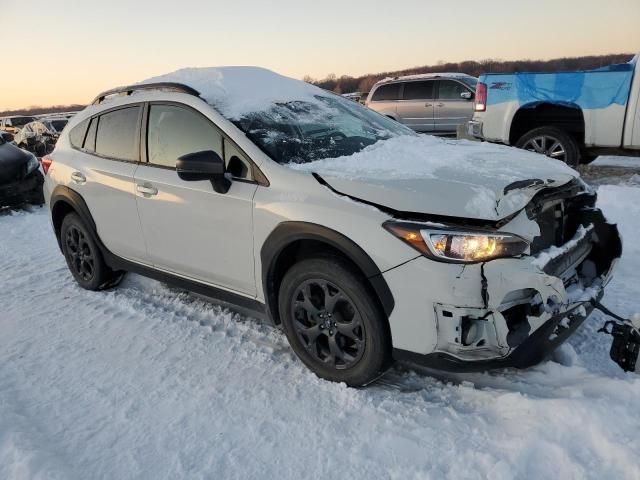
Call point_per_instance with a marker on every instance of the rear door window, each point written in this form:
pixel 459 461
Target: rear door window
pixel 117 134
pixel 418 90
pixel 387 92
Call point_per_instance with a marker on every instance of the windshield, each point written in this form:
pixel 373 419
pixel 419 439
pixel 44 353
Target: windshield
pixel 21 121
pixel 304 131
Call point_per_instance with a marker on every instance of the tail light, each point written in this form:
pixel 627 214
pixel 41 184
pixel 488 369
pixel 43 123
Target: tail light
pixel 46 162
pixel 480 104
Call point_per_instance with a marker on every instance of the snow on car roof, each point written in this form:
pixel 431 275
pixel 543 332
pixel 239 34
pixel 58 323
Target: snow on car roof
pixel 237 91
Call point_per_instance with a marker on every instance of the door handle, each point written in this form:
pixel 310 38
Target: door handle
pixel 439 104
pixel 147 190
pixel 428 104
pixel 78 177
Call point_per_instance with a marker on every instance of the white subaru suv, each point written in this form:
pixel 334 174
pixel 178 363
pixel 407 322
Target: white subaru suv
pixel 363 241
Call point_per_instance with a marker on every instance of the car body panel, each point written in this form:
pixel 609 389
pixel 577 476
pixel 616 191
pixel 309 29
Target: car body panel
pixel 212 244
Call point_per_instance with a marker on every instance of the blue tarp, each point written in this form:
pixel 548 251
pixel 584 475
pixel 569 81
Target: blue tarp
pixel 588 89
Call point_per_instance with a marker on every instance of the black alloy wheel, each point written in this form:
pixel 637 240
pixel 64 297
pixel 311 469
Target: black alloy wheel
pixel 333 320
pixel 81 255
pixel 328 323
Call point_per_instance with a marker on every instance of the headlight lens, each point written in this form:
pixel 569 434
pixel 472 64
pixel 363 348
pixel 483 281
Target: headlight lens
pixel 458 246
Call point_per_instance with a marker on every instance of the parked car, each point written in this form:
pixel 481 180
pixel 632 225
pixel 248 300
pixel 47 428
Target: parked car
pixel 432 103
pixel 362 240
pixel 357 97
pixel 55 124
pixel 37 137
pixel 20 177
pixel 14 124
pixel 569 116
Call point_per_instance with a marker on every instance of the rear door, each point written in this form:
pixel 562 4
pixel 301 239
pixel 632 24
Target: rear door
pixel 415 110
pixel 190 229
pixel 104 160
pixel 451 109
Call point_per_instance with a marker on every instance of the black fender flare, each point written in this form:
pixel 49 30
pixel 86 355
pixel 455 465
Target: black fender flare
pixel 288 232
pixel 64 194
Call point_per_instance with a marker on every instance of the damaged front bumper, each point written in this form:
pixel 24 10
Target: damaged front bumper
pixel 510 312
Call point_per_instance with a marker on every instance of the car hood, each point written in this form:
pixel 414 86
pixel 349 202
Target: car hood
pixel 429 175
pixel 12 162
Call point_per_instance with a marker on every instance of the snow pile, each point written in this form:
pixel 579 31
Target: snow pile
pixel 237 91
pixel 426 156
pixel 148 382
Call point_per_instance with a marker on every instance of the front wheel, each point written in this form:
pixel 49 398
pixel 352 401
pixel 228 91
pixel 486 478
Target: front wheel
pixel 333 321
pixel 553 143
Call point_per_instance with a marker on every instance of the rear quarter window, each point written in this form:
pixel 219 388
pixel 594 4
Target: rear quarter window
pixel 77 133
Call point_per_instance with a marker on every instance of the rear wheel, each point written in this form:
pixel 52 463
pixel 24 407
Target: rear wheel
pixel 333 321
pixel 553 143
pixel 83 257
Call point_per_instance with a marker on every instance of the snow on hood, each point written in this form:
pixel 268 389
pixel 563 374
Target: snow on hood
pixel 426 174
pixel 238 91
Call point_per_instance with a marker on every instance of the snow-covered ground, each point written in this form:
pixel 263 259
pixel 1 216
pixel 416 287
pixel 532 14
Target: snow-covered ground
pixel 150 382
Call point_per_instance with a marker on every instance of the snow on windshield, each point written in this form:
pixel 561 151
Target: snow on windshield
pixel 239 91
pixel 290 120
pixel 426 156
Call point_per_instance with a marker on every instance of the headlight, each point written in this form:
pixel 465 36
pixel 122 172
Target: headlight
pixel 32 165
pixel 460 246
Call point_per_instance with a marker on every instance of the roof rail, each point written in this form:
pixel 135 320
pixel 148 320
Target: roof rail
pixel 129 89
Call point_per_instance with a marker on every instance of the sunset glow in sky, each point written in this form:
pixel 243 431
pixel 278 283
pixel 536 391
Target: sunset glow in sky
pixel 66 51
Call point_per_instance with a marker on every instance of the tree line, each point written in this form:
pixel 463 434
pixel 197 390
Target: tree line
pixel 348 84
pixel 38 110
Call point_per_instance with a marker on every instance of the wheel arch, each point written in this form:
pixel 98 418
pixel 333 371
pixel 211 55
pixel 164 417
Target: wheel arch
pixel 292 241
pixel 64 201
pixel 566 116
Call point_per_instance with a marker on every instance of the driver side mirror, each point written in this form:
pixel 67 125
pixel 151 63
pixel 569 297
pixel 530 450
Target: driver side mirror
pixel 205 165
pixel 466 95
pixel 6 137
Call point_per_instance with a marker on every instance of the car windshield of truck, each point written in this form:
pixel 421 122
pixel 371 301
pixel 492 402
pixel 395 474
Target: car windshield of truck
pixel 302 131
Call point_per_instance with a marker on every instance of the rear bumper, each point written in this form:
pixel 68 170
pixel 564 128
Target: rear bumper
pixel 29 190
pixel 474 128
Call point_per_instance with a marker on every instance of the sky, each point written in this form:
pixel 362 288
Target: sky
pixel 67 51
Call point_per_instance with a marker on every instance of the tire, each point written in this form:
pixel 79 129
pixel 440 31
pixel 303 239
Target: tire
pixel 83 256
pixel 346 339
pixel 552 142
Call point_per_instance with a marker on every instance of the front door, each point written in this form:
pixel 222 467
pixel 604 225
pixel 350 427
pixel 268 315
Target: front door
pixel 190 229
pixel 451 109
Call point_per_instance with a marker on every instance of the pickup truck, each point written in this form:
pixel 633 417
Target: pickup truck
pixel 570 116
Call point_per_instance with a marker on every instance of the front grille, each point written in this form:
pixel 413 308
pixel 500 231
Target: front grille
pixel 559 212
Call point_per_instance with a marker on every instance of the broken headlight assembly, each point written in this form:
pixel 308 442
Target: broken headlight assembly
pixel 458 246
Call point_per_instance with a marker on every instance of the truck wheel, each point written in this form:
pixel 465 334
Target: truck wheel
pixel 333 322
pixel 553 143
